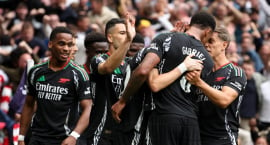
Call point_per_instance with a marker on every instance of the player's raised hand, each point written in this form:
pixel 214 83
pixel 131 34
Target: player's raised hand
pixel 130 26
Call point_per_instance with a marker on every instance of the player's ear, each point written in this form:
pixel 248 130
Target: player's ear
pixel 109 38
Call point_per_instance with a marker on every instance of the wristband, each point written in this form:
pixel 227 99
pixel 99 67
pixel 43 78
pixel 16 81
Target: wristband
pixel 182 67
pixel 75 134
pixel 21 137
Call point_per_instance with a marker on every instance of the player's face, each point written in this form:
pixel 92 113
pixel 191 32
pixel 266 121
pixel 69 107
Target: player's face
pixel 101 47
pixel 74 50
pixel 207 35
pixel 61 46
pixel 134 48
pixel 117 35
pixel 249 70
pixel 215 45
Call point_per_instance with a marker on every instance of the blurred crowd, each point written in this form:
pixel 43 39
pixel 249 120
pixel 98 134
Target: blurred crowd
pixel 25 26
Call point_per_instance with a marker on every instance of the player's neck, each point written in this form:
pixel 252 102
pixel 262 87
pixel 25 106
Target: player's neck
pixel 220 62
pixel 57 65
pixel 195 32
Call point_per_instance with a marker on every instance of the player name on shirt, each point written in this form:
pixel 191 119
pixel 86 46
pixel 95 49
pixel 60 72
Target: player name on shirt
pixel 195 52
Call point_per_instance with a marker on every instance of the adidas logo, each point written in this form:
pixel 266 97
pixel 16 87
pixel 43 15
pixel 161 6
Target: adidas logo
pixel 41 79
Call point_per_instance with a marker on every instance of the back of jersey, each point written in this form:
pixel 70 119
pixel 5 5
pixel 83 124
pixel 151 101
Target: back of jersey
pixel 178 97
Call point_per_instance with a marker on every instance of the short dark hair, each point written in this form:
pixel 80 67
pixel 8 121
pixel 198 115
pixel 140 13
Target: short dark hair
pixel 203 20
pixel 138 38
pixel 112 23
pixel 81 17
pixel 248 62
pixel 58 30
pixel 93 37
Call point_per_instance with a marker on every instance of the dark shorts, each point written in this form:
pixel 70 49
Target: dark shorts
pixel 40 140
pixel 122 138
pixel 134 137
pixel 218 142
pixel 34 141
pixel 173 130
pixel 105 139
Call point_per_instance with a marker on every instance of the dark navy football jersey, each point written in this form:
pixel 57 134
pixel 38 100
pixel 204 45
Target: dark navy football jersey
pixel 57 94
pixel 172 48
pixel 215 122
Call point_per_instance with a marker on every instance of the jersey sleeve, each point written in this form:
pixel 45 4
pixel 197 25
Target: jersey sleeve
pixel 30 82
pixel 83 86
pixel 95 62
pixel 237 80
pixel 137 59
pixel 156 45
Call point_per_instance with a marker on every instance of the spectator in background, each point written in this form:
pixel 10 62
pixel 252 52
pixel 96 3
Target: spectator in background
pixel 263 113
pixel 264 53
pixel 248 47
pixel 100 14
pixel 180 11
pixel 253 96
pixel 82 28
pixel 265 14
pixel 18 61
pixel 232 53
pixel 251 100
pixel 21 15
pixel 7 44
pixel 221 10
pixel 82 7
pixel 146 30
pixel 262 140
pixel 247 26
pixel 27 34
pixel 65 12
pixel 51 21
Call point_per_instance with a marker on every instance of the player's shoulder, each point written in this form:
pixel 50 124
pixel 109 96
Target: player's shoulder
pixel 236 70
pixel 39 66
